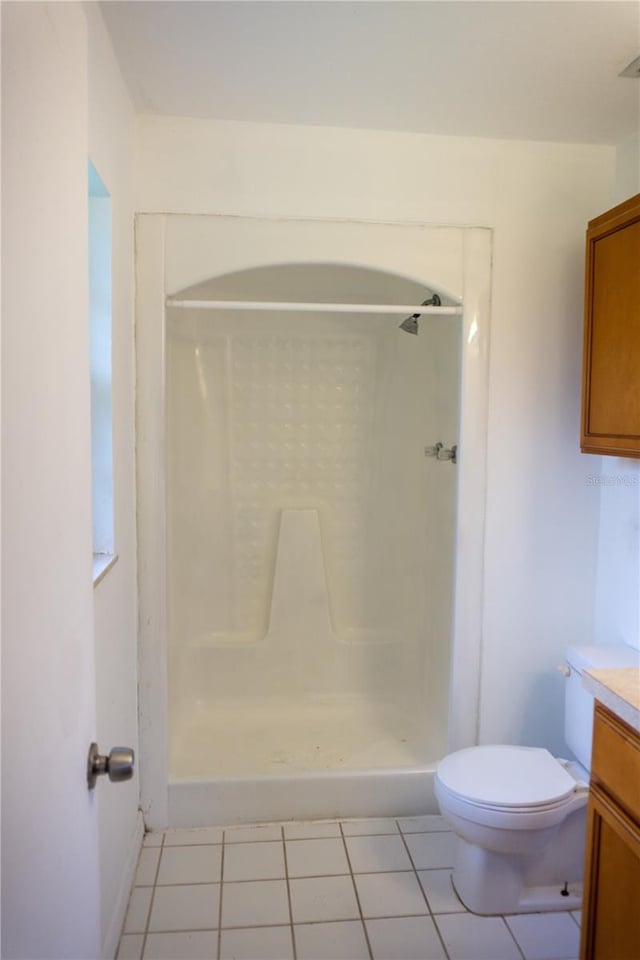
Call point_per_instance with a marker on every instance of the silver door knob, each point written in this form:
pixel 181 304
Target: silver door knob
pixel 118 766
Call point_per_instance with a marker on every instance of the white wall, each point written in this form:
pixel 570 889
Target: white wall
pixel 542 514
pixel 111 120
pixel 50 872
pixel 628 166
pixel 618 479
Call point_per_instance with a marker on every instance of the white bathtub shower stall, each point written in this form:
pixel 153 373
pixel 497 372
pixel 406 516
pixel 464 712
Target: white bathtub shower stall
pixel 310 556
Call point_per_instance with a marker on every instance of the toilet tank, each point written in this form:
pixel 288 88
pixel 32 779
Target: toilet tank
pixel 578 703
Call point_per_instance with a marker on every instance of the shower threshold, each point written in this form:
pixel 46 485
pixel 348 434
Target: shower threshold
pixel 284 736
pixel 243 761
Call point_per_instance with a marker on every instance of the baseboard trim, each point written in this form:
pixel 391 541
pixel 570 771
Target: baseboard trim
pixel 114 930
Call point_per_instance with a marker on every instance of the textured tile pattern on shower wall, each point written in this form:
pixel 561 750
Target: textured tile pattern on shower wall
pixel 300 433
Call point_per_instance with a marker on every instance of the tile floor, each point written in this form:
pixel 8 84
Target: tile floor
pixel 326 890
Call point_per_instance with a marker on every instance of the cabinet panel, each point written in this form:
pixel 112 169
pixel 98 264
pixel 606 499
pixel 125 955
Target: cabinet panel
pixel 615 760
pixel 611 381
pixel 611 920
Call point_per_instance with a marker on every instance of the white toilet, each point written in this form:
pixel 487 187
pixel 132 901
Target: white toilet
pixel 520 814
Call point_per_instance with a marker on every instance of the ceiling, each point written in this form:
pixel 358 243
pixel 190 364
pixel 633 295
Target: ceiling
pixel 510 68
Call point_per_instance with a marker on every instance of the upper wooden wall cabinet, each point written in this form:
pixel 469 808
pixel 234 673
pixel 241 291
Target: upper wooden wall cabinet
pixel 611 364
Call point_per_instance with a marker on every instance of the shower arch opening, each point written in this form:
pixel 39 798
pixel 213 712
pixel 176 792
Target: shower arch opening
pixel 314 281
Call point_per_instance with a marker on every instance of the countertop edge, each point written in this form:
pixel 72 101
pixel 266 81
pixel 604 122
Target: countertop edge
pixel 610 698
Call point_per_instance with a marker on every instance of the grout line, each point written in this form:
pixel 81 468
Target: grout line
pixel 305 876
pixel 182 846
pixel 426 899
pixel 219 945
pixel 306 923
pixel 419 833
pixel 228 841
pixel 437 929
pixel 390 916
pixel 355 890
pixel 308 876
pixel 415 873
pixel 286 874
pixel 513 937
pixel 241 926
pixel 153 894
pixel 239 843
pixel 349 836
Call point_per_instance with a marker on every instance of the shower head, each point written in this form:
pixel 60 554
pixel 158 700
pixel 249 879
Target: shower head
pixel 410 325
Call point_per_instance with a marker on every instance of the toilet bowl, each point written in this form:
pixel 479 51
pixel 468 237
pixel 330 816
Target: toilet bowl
pixel 519 813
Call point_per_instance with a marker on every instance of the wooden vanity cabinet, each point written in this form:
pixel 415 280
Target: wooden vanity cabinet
pixel 611 907
pixel 611 360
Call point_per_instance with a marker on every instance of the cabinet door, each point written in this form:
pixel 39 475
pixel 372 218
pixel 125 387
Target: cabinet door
pixel 611 918
pixel 611 388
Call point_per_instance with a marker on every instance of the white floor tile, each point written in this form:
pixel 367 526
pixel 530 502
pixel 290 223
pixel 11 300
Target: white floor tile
pixel 331 941
pixel 311 829
pixel 469 937
pixel 147 867
pixel 255 903
pixel 153 839
pixel 390 895
pixel 267 831
pixel 194 945
pixel 431 851
pixel 425 824
pixel 546 936
pixel 369 854
pixel 316 858
pixel 254 861
pixel 577 916
pixel 323 898
pixel 189 907
pixel 259 943
pixel 191 864
pixel 130 946
pixel 440 893
pixel 185 838
pixel 408 938
pixel 138 910
pixel 364 828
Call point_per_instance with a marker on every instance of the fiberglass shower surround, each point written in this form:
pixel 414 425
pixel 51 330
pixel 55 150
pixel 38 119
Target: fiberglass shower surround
pixel 297 535
pixel 300 518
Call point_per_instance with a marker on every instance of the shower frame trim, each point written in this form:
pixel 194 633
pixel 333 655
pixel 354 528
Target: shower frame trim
pixel 475 252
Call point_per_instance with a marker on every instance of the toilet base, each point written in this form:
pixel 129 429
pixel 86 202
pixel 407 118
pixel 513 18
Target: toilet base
pixel 491 884
pixel 534 900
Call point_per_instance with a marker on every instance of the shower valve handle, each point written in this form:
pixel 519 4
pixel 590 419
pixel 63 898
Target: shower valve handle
pixel 451 454
pixel 433 451
pixel 439 451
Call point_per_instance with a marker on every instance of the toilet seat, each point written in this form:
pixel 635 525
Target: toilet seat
pixel 510 787
pixel 506 776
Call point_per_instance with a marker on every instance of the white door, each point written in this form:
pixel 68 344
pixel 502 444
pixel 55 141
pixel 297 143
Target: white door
pixel 50 887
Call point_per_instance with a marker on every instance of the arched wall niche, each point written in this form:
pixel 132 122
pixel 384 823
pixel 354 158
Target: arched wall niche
pixel 199 249
pixel 317 282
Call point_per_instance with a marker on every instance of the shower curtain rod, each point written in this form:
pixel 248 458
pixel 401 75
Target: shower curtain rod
pixel 306 307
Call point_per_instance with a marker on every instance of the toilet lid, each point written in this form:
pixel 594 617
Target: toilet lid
pixel 506 776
